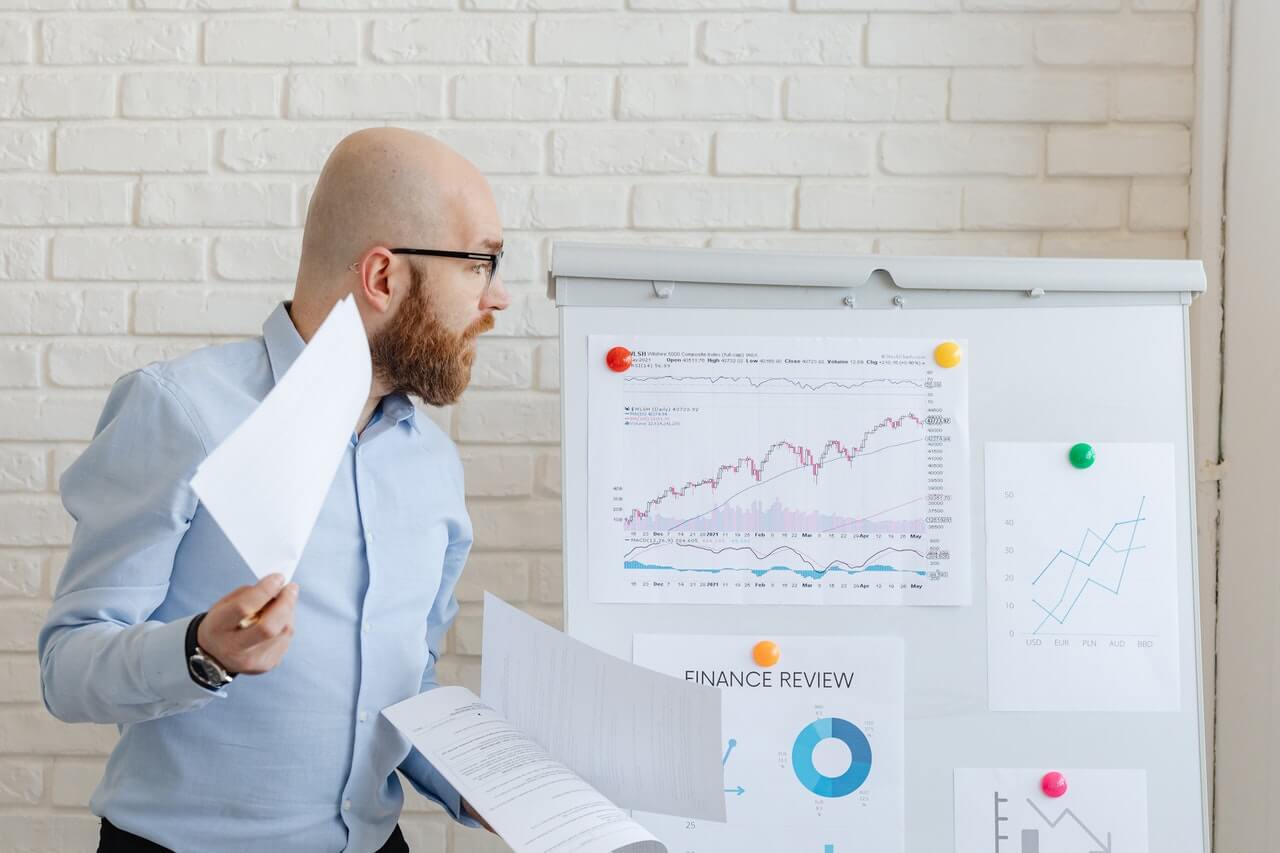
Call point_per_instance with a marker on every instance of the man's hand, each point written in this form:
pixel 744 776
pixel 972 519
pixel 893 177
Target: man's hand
pixel 259 648
pixel 471 813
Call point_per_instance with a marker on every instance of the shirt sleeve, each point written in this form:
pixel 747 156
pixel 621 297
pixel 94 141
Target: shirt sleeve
pixel 102 659
pixel 425 779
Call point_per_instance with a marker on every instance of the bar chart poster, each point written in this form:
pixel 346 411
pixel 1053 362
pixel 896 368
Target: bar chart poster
pixel 777 470
pixel 814 744
pixel 1007 811
pixel 1082 575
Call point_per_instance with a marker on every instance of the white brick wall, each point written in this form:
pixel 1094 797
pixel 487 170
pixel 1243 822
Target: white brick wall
pixel 156 157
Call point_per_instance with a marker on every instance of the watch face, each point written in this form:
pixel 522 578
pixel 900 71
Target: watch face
pixel 208 671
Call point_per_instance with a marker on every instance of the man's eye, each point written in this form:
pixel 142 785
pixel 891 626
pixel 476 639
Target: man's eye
pixel 480 268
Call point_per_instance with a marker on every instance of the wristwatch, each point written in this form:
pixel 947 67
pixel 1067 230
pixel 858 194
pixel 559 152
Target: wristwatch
pixel 205 671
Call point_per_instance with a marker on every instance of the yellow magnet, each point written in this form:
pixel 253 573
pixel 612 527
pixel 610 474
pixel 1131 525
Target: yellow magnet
pixel 947 354
pixel 766 653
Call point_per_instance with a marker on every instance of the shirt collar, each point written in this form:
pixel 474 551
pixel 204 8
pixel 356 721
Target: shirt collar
pixel 284 345
pixel 398 408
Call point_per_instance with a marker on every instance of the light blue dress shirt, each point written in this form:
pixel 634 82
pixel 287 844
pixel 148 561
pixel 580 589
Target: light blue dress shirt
pixel 297 759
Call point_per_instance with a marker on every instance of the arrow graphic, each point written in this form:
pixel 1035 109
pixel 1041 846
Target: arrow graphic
pixel 1102 848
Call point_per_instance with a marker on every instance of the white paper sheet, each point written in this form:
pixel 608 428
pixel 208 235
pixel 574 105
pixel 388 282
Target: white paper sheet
pixel 645 740
pixel 1005 811
pixel 778 470
pixel 1082 579
pixel 533 801
pixel 266 482
pixel 814 746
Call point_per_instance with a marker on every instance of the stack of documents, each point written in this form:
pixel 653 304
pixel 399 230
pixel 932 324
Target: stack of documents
pixel 566 737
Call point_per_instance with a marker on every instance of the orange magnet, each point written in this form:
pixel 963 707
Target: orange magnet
pixel 618 359
pixel 766 653
pixel 947 354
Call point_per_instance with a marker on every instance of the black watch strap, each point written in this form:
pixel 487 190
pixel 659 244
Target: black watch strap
pixel 193 628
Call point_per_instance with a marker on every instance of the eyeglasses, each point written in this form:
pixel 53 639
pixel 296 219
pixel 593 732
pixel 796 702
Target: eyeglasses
pixel 441 253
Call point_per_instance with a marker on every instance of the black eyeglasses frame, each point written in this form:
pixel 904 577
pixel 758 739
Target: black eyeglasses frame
pixel 444 253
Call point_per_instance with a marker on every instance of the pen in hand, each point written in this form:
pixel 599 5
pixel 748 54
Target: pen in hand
pixel 252 619
pixel 267 609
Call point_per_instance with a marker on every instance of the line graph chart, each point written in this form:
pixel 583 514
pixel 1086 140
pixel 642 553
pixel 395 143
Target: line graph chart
pixel 1088 571
pixel 783 558
pixel 805 459
pixel 794 470
pixel 1081 579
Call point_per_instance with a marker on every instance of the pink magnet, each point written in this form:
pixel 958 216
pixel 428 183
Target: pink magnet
pixel 1053 784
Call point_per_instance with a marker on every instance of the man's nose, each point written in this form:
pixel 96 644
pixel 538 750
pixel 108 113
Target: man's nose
pixel 497 298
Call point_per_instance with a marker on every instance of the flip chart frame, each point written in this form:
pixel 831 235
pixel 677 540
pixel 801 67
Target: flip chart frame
pixel 1059 350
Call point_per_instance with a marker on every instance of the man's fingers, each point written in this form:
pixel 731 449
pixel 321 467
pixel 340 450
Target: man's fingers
pixel 257 648
pixel 256 597
pixel 240 603
pixel 248 600
pixel 275 619
pixel 265 656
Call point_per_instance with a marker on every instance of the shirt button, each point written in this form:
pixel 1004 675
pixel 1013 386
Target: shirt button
pixel 364 716
pixel 365 627
pixel 369 537
pixel 346 805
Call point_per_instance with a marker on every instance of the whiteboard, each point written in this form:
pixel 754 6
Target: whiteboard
pixel 1058 350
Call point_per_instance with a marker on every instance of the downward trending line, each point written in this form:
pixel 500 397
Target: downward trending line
pixel 1102 848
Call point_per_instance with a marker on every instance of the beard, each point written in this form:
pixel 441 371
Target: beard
pixel 416 354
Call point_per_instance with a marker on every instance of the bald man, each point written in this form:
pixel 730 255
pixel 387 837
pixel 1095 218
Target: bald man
pixel 269 738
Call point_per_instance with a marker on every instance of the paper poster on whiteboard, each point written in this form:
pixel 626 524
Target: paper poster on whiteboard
pixel 814 745
pixel 1006 810
pixel 777 470
pixel 1082 579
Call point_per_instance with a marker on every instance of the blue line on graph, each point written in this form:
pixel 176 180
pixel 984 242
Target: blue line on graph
pixel 1104 542
pixel 809 574
pixel 738 790
pixel 815 571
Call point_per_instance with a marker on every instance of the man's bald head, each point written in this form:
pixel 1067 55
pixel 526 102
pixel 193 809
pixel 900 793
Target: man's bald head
pixel 385 188
pixel 388 186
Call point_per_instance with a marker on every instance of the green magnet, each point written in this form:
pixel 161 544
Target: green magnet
pixel 1081 455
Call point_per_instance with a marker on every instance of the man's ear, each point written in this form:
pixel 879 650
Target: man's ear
pixel 375 278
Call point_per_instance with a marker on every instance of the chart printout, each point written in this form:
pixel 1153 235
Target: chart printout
pixel 1082 579
pixel 777 470
pixel 813 745
pixel 1005 810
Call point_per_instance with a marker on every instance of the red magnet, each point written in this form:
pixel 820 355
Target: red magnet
pixel 1053 784
pixel 618 359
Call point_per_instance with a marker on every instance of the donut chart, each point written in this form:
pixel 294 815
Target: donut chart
pixel 859 751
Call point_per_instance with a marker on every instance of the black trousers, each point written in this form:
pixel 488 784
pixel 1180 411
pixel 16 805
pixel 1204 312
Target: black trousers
pixel 112 839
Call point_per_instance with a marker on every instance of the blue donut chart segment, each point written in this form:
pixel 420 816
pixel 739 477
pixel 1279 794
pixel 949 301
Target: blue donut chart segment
pixel 859 750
